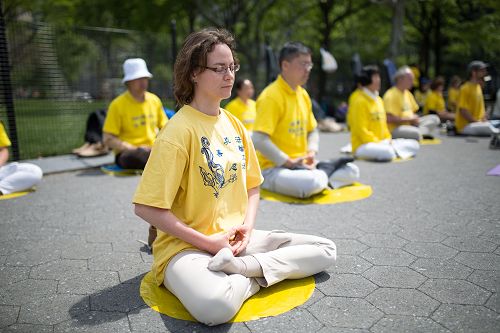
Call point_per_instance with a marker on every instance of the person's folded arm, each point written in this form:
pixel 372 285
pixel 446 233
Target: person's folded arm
pixel 263 143
pixel 4 155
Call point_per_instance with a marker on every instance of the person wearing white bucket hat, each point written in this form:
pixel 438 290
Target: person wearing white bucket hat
pixel 134 118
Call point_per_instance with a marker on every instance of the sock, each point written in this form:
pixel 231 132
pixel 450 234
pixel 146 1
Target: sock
pixel 224 261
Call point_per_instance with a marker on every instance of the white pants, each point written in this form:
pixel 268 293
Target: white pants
pixel 427 125
pixel 215 297
pixel 480 128
pixel 388 150
pixel 303 183
pixel 16 177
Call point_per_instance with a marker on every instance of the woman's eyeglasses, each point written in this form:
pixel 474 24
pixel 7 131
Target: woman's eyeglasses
pixel 221 69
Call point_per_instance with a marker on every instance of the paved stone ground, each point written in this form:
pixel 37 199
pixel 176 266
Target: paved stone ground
pixel 421 255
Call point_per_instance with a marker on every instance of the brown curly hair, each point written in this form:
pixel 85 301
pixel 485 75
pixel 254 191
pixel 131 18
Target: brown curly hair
pixel 193 57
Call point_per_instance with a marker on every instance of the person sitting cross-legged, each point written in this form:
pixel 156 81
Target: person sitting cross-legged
pixel 434 104
pixel 370 137
pixel 15 177
pixel 285 133
pixel 401 108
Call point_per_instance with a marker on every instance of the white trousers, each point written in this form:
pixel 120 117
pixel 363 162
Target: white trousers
pixel 388 150
pixel 480 128
pixel 428 125
pixel 303 183
pixel 16 177
pixel 215 297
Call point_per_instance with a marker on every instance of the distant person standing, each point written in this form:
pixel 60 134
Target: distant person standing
pixel 15 177
pixel 243 106
pixel 134 118
pixel 400 106
pixel 471 116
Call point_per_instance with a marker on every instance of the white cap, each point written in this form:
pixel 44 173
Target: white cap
pixel 135 69
pixel 347 175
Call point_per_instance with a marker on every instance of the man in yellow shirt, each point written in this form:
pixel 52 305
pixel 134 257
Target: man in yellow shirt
pixel 285 134
pixel 434 104
pixel 471 116
pixel 370 137
pixel 400 106
pixel 243 106
pixel 134 118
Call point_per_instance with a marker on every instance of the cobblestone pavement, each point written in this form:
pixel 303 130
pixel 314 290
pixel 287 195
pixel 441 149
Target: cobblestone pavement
pixel 420 255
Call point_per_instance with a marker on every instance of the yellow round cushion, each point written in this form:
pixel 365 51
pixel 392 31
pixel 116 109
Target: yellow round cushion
pixel 353 192
pixel 14 195
pixel 434 141
pixel 271 301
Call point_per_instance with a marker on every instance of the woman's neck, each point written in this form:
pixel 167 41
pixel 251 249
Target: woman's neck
pixel 206 106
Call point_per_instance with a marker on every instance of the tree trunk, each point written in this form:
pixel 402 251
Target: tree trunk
pixel 397 28
pixel 437 39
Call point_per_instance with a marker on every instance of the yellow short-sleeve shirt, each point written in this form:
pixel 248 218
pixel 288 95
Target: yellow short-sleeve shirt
pixel 399 103
pixel 470 98
pixel 434 102
pixel 4 139
pixel 245 112
pixel 367 120
pixel 286 116
pixel 135 122
pixel 351 98
pixel 453 97
pixel 200 168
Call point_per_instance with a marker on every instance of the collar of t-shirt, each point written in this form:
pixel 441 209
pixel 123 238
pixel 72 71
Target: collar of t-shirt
pixel 370 93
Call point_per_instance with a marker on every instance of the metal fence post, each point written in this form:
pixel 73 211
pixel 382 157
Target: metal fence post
pixel 6 87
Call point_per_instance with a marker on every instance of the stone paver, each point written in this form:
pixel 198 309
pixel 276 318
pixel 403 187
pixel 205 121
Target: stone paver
pixel 406 262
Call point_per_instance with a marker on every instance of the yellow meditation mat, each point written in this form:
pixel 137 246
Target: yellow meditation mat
pixel 115 170
pixel 15 195
pixel 271 301
pixel 399 159
pixel 434 141
pixel 354 192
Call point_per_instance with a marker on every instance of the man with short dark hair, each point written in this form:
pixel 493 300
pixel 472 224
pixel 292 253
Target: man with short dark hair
pixel 285 134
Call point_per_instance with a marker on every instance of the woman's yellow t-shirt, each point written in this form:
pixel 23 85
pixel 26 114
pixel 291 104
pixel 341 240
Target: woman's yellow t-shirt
pixel 434 102
pixel 453 98
pixel 200 168
pixel 367 120
pixel 245 112
pixel 286 116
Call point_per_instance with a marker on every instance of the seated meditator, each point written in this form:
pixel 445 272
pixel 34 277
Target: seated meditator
pixel 434 104
pixel 133 121
pixel 134 118
pixel 243 106
pixel 471 117
pixel 285 134
pixel 400 106
pixel 200 188
pixel 15 177
pixel 370 137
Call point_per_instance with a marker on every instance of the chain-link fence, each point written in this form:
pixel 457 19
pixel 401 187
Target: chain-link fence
pixel 57 77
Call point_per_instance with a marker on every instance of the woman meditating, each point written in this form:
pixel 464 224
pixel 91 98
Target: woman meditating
pixel 200 189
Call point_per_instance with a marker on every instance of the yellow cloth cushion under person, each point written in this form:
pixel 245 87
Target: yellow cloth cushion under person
pixel 271 301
